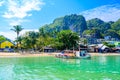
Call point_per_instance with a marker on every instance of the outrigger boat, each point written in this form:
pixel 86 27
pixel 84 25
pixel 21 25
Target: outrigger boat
pixel 74 54
pixel 82 54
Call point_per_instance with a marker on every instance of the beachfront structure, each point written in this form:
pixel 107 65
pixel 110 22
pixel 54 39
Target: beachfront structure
pixel 49 49
pixel 6 44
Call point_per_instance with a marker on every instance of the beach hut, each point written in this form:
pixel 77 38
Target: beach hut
pixel 92 48
pixel 49 49
pixel 6 44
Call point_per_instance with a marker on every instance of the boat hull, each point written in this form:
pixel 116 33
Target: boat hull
pixel 73 57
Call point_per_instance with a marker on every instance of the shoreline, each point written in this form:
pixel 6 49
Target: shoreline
pixel 6 54
pixel 105 54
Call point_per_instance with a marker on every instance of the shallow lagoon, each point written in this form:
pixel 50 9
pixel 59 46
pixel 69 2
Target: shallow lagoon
pixel 50 68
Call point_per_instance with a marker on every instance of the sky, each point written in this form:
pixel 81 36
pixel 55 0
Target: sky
pixel 32 14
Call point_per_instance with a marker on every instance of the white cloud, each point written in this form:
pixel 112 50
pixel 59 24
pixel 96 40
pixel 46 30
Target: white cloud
pixel 21 9
pixel 18 10
pixel 106 13
pixel 17 22
pixel 1 3
pixel 12 35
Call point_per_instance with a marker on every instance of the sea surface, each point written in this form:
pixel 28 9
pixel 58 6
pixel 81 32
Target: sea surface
pixel 51 68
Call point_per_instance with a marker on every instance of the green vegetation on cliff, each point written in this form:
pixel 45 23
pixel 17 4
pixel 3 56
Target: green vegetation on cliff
pixel 78 24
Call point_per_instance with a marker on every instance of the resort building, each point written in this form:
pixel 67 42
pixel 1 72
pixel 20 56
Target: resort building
pixel 6 45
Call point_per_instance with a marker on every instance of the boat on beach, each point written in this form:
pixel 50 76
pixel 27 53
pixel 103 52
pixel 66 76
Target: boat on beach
pixel 74 55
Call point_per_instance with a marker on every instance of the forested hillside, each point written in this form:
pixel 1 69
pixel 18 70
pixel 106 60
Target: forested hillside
pixel 78 24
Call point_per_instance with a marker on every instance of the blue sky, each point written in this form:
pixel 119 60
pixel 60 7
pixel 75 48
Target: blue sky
pixel 32 14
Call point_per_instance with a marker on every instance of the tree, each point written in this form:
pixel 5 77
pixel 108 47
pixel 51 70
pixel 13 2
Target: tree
pixel 43 42
pixel 109 45
pixel 19 40
pixel 116 25
pixel 98 24
pixel 33 38
pixel 30 39
pixel 2 38
pixel 95 33
pixel 47 41
pixel 17 29
pixel 118 32
pixel 26 42
pixel 112 33
pixel 68 38
pixel 42 31
pixel 85 41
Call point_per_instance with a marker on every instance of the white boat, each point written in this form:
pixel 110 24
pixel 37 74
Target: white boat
pixel 82 54
pixel 76 55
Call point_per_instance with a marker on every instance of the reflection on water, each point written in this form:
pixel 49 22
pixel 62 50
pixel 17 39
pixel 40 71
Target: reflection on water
pixel 50 68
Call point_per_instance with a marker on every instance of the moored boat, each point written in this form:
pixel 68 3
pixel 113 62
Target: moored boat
pixel 74 55
pixel 82 54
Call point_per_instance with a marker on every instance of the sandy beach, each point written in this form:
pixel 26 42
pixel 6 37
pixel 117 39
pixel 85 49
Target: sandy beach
pixel 6 54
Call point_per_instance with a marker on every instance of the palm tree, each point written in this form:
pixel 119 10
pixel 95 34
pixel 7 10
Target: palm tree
pixel 17 29
pixel 19 40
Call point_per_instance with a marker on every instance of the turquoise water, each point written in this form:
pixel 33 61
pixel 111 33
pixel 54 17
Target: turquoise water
pixel 50 68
